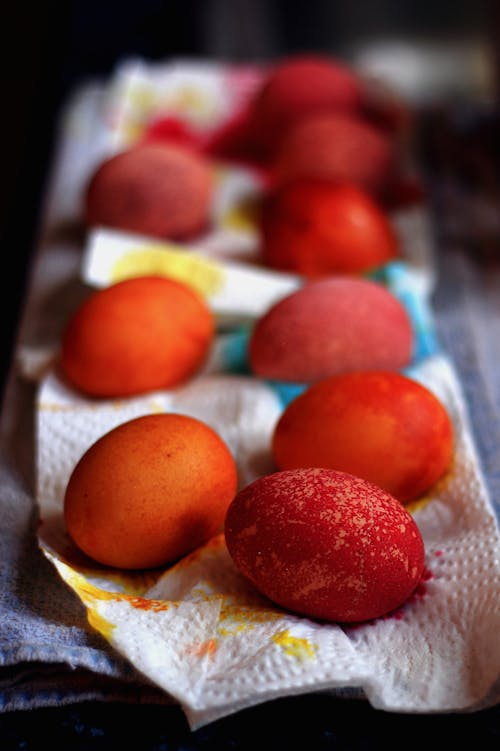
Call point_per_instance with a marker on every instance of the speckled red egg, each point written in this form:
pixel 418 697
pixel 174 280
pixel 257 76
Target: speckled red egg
pixel 325 544
pixel 334 325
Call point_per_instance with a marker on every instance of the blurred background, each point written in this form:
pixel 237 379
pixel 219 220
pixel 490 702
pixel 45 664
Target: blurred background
pixel 442 55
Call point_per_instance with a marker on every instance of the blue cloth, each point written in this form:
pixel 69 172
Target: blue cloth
pixel 48 653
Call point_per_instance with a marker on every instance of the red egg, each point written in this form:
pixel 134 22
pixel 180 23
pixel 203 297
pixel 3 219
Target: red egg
pixel 298 87
pixel 338 147
pixel 331 326
pixel 315 228
pixel 325 544
pixel 162 190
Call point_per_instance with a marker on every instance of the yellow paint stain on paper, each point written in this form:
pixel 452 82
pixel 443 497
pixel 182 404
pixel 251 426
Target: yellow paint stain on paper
pixel 205 277
pixel 439 487
pixel 242 216
pixel 116 404
pixel 235 619
pixel 131 132
pixel 294 646
pixel 420 503
pixel 191 100
pixel 90 594
pixel 132 583
pixel 141 98
pixel 155 406
pixel 101 624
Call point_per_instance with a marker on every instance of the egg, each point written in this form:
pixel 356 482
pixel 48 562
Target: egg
pixel 338 147
pixel 135 336
pixel 382 426
pixel 299 86
pixel 325 544
pixel 149 491
pixel 330 326
pixel 316 228
pixel 162 190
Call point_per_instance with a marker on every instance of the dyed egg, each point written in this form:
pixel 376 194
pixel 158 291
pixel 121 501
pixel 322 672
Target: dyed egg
pixel 297 87
pixel 331 326
pixel 336 147
pixel 135 336
pixel 149 491
pixel 162 190
pixel 381 426
pixel 316 228
pixel 325 544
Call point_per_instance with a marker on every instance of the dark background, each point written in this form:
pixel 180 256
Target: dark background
pixel 48 49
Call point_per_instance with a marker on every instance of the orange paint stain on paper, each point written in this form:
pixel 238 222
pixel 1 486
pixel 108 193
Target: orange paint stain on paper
pixel 142 603
pixel 202 649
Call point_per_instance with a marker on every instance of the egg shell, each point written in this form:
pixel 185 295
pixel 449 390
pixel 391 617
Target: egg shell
pixel 381 426
pixel 325 544
pixel 315 228
pixel 299 86
pixel 149 491
pixel 337 147
pixel 330 326
pixel 135 336
pixel 162 190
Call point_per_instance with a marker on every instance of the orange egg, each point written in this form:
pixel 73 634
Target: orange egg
pixel 149 491
pixel 136 336
pixel 380 426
